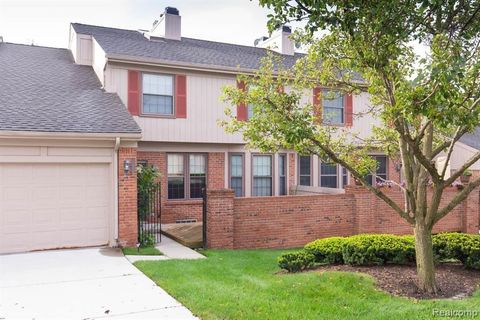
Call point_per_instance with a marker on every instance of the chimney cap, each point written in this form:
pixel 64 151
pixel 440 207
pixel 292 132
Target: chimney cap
pixel 172 10
pixel 287 29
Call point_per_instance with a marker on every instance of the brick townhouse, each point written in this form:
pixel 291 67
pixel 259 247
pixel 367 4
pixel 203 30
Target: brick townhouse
pixel 172 86
pixel 76 122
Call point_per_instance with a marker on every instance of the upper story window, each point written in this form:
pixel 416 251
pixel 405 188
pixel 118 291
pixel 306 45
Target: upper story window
pixel 380 174
pixel 305 170
pixel 157 94
pixel 249 111
pixel 262 175
pixel 333 107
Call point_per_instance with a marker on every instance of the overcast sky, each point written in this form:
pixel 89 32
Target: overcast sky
pixel 46 22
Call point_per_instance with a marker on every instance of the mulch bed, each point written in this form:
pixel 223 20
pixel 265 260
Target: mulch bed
pixel 452 279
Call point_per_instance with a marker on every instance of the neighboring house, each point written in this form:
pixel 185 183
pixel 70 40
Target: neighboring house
pixel 172 85
pixel 61 137
pixel 466 148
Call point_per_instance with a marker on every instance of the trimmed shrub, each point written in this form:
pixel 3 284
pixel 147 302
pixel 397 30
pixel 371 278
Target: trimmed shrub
pixel 378 249
pixel 296 261
pixel 458 246
pixel 327 250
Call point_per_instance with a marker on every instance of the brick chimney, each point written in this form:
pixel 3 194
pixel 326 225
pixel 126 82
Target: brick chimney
pixel 169 26
pixel 279 41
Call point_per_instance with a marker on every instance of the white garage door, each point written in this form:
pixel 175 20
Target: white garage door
pixel 45 206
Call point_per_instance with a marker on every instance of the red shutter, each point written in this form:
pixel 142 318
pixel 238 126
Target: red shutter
pixel 134 92
pixel 242 113
pixel 348 109
pixel 180 96
pixel 317 105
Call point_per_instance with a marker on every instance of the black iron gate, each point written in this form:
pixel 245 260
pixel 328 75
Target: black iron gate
pixel 149 215
pixel 204 218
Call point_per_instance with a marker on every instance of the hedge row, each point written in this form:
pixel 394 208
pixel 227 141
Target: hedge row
pixel 379 249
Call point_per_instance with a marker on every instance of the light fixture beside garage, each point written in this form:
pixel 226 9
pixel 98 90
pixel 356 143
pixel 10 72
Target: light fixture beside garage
pixel 127 167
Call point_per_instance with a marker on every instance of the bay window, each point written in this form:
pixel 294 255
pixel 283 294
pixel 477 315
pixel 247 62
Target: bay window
pixel 305 170
pixel 262 175
pixel 282 174
pixel 380 173
pixel 328 175
pixel 236 174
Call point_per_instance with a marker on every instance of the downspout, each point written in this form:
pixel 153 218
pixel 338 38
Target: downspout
pixel 115 182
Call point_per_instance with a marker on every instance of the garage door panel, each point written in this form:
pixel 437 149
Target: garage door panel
pixel 44 219
pixel 72 196
pixel 14 221
pixel 97 196
pixel 45 240
pixel 15 242
pixel 45 197
pixel 46 205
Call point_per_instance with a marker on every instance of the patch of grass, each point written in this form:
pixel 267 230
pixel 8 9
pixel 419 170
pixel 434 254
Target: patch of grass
pixel 245 284
pixel 148 251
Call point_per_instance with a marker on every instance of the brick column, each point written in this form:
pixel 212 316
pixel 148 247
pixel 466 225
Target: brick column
pixel 471 214
pixel 216 170
pixel 220 211
pixel 292 174
pixel 127 198
pixel 364 209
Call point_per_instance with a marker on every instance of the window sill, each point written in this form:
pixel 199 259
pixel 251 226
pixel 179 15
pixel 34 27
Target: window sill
pixel 176 202
pixel 159 116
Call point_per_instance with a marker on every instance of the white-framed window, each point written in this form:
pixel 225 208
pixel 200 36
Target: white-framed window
pixel 305 170
pixel 333 107
pixel 328 175
pixel 250 111
pixel 282 174
pixel 262 166
pixel 344 177
pixel 157 94
pixel 236 174
pixel 186 175
pixel 380 173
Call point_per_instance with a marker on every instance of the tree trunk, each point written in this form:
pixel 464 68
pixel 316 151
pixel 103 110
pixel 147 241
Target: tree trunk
pixel 424 257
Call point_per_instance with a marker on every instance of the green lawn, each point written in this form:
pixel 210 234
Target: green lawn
pixel 243 284
pixel 150 251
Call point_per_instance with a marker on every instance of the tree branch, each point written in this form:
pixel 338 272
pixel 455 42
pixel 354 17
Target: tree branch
pixel 462 195
pixel 359 177
pixel 464 167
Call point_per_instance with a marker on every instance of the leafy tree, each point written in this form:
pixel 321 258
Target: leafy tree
pixel 426 103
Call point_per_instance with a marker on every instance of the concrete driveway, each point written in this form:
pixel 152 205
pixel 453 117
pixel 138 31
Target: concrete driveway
pixel 93 283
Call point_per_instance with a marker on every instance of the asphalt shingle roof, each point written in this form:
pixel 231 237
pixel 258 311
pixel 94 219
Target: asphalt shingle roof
pixel 43 90
pixel 187 50
pixel 472 139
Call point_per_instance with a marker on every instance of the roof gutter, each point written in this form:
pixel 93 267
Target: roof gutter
pixel 115 189
pixel 70 135
pixel 117 58
pixel 181 65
